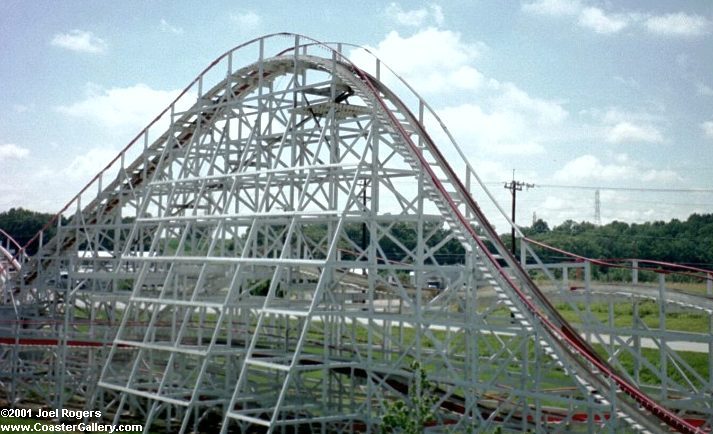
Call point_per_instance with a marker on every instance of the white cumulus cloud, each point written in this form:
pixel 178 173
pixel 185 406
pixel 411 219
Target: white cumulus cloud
pixel 167 27
pixel 624 132
pixel 626 126
pixel 133 106
pixel 505 127
pixel 11 151
pixel 80 41
pixel 620 168
pixel 605 21
pixel 506 120
pixel 589 167
pixel 415 17
pixel 553 7
pixel 708 129
pixel 84 167
pixel 543 112
pixel 431 60
pixel 590 17
pixel 678 24
pixel 597 20
pixel 247 20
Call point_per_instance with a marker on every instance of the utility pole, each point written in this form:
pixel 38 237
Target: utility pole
pixel 514 187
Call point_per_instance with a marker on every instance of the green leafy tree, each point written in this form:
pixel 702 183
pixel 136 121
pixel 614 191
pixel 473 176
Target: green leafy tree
pixel 23 224
pixel 540 227
pixel 411 417
pixel 684 242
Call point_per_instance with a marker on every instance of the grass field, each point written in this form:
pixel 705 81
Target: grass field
pixel 623 314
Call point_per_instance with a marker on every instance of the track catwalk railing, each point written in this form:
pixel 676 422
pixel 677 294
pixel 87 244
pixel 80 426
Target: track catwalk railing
pixel 544 311
pixel 460 205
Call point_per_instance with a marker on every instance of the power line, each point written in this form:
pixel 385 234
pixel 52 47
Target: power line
pixel 639 189
pixel 657 202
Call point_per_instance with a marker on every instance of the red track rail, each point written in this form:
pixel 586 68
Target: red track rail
pixel 565 331
pixel 11 239
pixel 453 404
pixel 10 258
pixel 700 273
pixel 136 138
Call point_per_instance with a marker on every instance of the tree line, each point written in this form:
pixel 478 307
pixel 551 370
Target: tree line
pixel 688 242
pixel 685 242
pixel 22 224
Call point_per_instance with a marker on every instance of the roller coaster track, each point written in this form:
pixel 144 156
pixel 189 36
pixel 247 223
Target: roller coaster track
pixel 454 403
pixel 530 295
pixel 8 261
pixel 659 266
pixel 408 138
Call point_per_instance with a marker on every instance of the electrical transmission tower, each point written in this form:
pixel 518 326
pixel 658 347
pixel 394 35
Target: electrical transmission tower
pixel 271 258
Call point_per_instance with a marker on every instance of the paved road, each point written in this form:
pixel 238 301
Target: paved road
pixel 695 347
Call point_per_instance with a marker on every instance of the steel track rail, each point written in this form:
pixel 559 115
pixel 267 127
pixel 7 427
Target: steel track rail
pixel 557 326
pixel 529 295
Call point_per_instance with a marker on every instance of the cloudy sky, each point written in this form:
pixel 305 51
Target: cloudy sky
pixel 573 95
